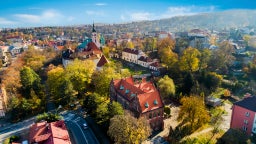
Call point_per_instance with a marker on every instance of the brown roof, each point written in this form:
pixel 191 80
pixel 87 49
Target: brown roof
pixel 155 64
pixel 145 59
pixel 147 94
pixel 132 51
pixel 248 103
pixel 103 60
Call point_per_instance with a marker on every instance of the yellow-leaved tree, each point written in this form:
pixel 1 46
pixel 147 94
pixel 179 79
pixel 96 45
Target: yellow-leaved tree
pixel 193 112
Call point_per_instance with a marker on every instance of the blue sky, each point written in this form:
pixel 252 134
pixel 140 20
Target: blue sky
pixel 33 13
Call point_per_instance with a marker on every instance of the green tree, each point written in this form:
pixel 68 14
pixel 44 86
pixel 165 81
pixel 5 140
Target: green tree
pixel 189 60
pixel 115 108
pixel 29 80
pixel 49 117
pixel 212 80
pixel 80 74
pixel 204 59
pixel 101 79
pixel 127 129
pixel 91 101
pixel 166 87
pixel 193 112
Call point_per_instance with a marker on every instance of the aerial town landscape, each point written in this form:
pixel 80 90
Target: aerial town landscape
pixel 127 72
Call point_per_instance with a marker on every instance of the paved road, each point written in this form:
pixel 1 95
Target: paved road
pixel 81 136
pixel 13 129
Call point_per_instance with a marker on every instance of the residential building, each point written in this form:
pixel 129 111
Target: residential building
pixel 244 115
pixel 131 55
pixel 136 56
pixel 144 61
pixel 49 133
pixel 141 97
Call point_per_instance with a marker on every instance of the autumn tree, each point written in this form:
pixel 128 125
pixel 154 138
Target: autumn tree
pixel 127 129
pixel 166 87
pixel 60 87
pixel 149 44
pixel 204 59
pixel 101 79
pixel 189 60
pixel 105 51
pixel 130 44
pixel 29 80
pixel 212 80
pixel 222 57
pixel 33 58
pixel 80 74
pixel 165 52
pixel 193 112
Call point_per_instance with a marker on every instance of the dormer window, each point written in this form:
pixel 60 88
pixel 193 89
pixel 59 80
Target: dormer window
pixel 155 102
pixel 146 105
pixel 121 87
pixel 133 95
pixel 127 91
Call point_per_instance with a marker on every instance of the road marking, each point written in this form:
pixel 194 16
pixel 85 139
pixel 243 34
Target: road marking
pixel 82 132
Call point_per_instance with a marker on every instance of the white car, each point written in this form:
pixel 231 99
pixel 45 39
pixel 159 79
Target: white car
pixel 85 126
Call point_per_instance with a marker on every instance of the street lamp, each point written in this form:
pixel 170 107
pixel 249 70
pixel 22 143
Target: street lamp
pixel 58 108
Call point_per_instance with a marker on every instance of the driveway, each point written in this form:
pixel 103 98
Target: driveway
pixel 225 125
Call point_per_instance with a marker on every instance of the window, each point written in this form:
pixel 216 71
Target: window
pixel 155 102
pixel 127 91
pixel 154 114
pixel 146 105
pixel 150 115
pixel 246 122
pixel 247 114
pixel 244 128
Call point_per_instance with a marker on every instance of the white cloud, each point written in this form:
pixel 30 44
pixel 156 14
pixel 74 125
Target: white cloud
pixel 95 13
pixel 4 21
pixel 100 4
pixel 141 16
pixel 170 12
pixel 70 18
pixel 28 18
pixel 186 10
pixel 47 17
pixel 123 18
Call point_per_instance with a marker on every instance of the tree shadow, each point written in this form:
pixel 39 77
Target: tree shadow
pixel 180 131
pixel 233 136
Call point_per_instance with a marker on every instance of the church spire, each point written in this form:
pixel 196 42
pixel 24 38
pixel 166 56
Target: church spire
pixel 93 28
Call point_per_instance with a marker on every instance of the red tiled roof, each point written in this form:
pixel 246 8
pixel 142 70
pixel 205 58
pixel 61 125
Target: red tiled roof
pixel 145 91
pixel 103 60
pixel 132 51
pixel 92 49
pixel 52 133
pixel 43 137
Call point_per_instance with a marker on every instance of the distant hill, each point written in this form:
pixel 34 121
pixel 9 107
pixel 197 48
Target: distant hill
pixel 216 20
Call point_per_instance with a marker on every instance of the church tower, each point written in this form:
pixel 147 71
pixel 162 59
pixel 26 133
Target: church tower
pixel 95 36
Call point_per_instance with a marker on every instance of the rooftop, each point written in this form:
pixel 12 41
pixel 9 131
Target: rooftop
pixel 147 94
pixel 248 103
